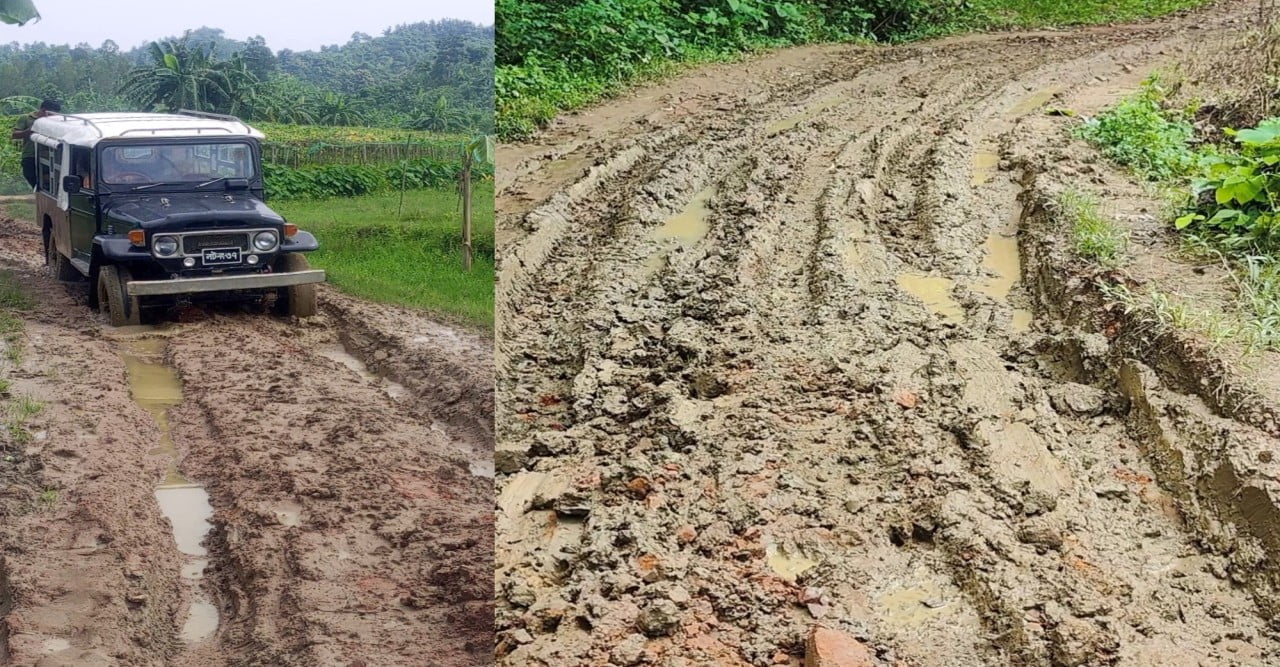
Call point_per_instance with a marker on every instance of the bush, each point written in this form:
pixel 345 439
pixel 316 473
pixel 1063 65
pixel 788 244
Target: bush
pixel 1141 134
pixel 1236 194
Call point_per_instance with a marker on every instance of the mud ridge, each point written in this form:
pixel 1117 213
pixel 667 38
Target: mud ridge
pixel 823 401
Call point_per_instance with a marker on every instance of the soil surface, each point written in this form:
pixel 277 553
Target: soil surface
pixel 345 460
pixel 767 359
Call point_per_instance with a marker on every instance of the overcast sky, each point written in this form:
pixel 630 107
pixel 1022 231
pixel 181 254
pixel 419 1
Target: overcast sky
pixel 286 24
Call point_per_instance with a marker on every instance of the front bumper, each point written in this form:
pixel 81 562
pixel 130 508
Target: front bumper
pixel 223 283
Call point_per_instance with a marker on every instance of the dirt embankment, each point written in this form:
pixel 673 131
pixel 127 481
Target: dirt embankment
pixel 767 359
pixel 339 464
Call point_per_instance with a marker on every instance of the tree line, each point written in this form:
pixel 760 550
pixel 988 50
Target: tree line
pixel 434 76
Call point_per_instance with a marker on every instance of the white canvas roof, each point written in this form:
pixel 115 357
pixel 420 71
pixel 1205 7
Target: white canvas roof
pixel 88 129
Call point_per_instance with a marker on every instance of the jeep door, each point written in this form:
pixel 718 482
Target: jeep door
pixel 82 211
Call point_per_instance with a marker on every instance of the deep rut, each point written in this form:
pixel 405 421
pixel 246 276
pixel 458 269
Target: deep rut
pixel 350 520
pixel 715 440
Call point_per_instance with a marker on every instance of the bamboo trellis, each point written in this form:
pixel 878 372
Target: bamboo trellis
pixel 294 155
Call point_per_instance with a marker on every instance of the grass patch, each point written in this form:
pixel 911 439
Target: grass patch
pixel 19 210
pixel 1094 236
pixel 1140 133
pixel 556 55
pixel 1042 13
pixel 413 258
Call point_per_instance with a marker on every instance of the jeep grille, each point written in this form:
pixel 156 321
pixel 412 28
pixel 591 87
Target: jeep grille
pixel 195 243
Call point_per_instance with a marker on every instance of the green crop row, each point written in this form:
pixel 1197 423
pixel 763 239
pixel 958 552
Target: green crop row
pixel 354 180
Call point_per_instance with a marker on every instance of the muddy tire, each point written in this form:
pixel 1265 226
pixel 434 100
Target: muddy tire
pixel 298 300
pixel 121 310
pixel 59 266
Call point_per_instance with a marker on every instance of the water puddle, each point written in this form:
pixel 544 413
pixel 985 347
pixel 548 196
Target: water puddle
pixel 1034 101
pixel 289 513
pixel 916 605
pixel 336 352
pixel 55 645
pixel 935 292
pixel 985 164
pixel 787 564
pixel 156 387
pixel 689 225
pixel 809 112
pixel 1004 259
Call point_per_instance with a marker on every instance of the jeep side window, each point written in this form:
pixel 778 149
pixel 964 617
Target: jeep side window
pixel 44 158
pixel 82 166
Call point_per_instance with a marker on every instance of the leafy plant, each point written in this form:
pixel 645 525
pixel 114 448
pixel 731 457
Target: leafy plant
pixel 1142 134
pixel 1236 193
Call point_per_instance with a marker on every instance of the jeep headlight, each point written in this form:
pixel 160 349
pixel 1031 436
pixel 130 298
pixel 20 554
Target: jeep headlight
pixel 165 245
pixel 265 241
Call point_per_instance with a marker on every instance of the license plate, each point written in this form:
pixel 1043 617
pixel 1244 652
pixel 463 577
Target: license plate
pixel 222 256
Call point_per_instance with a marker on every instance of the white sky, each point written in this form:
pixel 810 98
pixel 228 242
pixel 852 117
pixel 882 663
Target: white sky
pixel 286 24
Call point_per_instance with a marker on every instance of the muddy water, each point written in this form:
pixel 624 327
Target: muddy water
pixel 338 353
pixel 985 165
pixel 156 387
pixel 935 292
pixel 810 112
pixel 689 225
pixel 1034 101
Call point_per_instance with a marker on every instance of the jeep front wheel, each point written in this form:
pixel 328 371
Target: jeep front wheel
pixel 295 300
pixel 121 309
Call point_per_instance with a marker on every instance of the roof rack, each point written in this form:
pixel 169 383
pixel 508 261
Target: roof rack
pixel 82 119
pixel 214 116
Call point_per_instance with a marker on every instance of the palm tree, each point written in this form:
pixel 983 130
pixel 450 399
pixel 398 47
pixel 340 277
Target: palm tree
pixel 440 117
pixel 184 77
pixel 335 109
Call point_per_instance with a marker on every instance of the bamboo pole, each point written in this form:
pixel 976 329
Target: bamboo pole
pixel 466 214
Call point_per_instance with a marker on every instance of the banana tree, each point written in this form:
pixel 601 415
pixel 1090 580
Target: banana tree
pixel 479 151
pixel 17 12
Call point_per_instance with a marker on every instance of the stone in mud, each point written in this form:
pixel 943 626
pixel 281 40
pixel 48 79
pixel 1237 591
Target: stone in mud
pixel 707 386
pixel 660 618
pixel 547 614
pixel 522 595
pixel 1042 534
pixel 1112 488
pixel 511 455
pixel 832 648
pixel 629 651
pixel 1075 642
pixel 1078 398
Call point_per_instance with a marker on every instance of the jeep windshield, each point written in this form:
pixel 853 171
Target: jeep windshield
pixel 176 164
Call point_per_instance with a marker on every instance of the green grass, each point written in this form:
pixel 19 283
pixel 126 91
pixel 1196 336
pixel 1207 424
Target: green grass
pixel 1094 236
pixel 1042 13
pixel 413 258
pixel 1140 133
pixel 22 210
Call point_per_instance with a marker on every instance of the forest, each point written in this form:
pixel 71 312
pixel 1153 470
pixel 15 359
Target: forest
pixel 435 76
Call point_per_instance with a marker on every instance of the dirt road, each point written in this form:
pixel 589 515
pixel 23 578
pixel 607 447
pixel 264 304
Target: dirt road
pixel 240 489
pixel 765 361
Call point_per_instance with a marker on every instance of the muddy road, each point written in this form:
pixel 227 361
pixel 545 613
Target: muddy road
pixel 232 488
pixel 766 360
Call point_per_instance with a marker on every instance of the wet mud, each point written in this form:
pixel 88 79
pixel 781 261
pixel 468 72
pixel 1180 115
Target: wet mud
pixel 235 488
pixel 846 402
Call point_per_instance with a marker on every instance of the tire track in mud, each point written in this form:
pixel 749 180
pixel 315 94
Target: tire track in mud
pixel 351 517
pixel 706 454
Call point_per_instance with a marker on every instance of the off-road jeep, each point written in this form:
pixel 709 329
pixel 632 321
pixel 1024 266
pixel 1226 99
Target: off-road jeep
pixel 159 209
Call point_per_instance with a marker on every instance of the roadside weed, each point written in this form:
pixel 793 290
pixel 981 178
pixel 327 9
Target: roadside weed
pixel 1094 236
